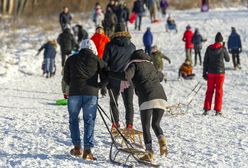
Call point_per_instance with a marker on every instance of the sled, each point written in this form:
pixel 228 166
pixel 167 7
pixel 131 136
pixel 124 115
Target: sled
pixel 126 151
pixel 132 18
pixel 156 21
pixel 61 102
pixel 182 108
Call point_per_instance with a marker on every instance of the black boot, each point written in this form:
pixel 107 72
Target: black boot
pixel 205 112
pixel 218 113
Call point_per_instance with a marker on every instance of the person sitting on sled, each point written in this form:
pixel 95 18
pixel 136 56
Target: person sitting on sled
pixel 170 24
pixel 157 59
pixel 151 95
pixel 185 71
pixel 48 65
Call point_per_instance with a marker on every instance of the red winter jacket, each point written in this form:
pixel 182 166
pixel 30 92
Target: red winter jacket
pixel 100 41
pixel 187 38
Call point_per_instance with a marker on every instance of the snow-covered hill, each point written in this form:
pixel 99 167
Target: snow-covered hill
pixel 35 133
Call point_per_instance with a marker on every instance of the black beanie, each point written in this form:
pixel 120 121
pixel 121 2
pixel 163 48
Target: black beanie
pixel 218 37
pixel 120 27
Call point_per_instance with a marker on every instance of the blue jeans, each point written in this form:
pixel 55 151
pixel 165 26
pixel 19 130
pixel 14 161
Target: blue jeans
pixel 89 106
pixel 49 65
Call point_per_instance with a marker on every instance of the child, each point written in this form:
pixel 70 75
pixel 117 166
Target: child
pixel 152 98
pixel 157 59
pixel 148 40
pixel 185 71
pixel 48 65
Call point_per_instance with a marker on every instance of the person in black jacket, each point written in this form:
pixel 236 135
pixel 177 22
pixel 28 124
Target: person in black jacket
pixel 151 95
pixel 235 48
pixel 214 73
pixel 197 40
pixel 81 73
pixel 65 18
pixel 116 55
pixel 80 33
pixel 126 14
pixel 67 42
pixel 138 8
pixel 109 22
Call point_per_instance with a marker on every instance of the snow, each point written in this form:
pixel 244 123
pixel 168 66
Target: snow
pixel 35 132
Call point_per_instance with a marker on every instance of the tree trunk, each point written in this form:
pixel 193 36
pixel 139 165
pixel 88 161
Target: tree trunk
pixel 5 5
pixel 11 7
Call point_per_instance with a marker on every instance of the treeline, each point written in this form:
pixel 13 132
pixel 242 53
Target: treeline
pixel 49 7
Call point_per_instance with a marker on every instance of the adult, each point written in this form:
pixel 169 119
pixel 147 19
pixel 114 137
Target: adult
pixel 148 40
pixel 152 98
pixel 164 5
pixel 235 47
pixel 152 6
pixel 98 15
pixel 138 9
pixel 117 54
pixel 67 42
pixel 110 20
pixel 81 74
pixel 197 40
pixel 100 40
pixel 80 33
pixel 65 18
pixel 126 14
pixel 187 38
pixel 214 73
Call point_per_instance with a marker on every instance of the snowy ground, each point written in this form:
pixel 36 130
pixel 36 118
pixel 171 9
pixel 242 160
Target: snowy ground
pixel 34 132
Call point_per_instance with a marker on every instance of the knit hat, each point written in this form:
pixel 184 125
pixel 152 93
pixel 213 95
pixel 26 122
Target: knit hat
pixel 188 27
pixel 218 37
pixel 89 44
pixel 99 27
pixel 120 27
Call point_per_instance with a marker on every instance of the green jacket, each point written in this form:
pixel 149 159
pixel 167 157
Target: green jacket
pixel 157 59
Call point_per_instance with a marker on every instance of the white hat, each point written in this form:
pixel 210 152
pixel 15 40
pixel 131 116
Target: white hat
pixel 89 44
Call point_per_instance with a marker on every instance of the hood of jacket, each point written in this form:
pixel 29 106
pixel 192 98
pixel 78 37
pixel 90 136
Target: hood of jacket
pixel 140 55
pixel 121 38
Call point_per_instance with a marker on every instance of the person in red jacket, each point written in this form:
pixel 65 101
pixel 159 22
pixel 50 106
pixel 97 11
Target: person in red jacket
pixel 214 73
pixel 100 40
pixel 187 38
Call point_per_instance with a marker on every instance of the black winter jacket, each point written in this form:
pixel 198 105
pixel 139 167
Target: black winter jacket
pixel 64 19
pixel 144 77
pixel 214 59
pixel 81 73
pixel 66 41
pixel 118 53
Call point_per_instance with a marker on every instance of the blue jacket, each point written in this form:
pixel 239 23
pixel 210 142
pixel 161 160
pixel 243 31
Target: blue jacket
pixel 234 41
pixel 49 52
pixel 148 38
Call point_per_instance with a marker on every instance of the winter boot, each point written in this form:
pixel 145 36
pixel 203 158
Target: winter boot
pixel 148 156
pixel 129 126
pixel 114 128
pixel 76 151
pixel 218 113
pixel 205 112
pixel 162 145
pixel 87 155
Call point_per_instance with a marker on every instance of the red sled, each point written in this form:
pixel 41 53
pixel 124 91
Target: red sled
pixel 156 21
pixel 132 18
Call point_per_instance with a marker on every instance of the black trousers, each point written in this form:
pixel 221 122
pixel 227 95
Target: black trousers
pixel 198 53
pixel 235 57
pixel 138 22
pixel 146 116
pixel 127 97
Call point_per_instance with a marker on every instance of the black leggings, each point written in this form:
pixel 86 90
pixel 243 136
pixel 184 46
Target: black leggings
pixel 146 115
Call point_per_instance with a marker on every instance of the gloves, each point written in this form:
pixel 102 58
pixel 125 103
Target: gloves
pixel 240 50
pixel 205 76
pixel 65 96
pixel 103 91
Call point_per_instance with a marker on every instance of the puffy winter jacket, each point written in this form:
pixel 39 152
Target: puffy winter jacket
pixel 144 77
pixel 138 7
pixel 197 40
pixel 81 73
pixel 164 4
pixel 148 38
pixel 187 38
pixel 110 19
pixel 157 59
pixel 118 53
pixel 66 41
pixel 234 41
pixel 214 59
pixel 49 50
pixel 64 19
pixel 100 41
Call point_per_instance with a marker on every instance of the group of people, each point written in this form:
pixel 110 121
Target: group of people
pixel 114 66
